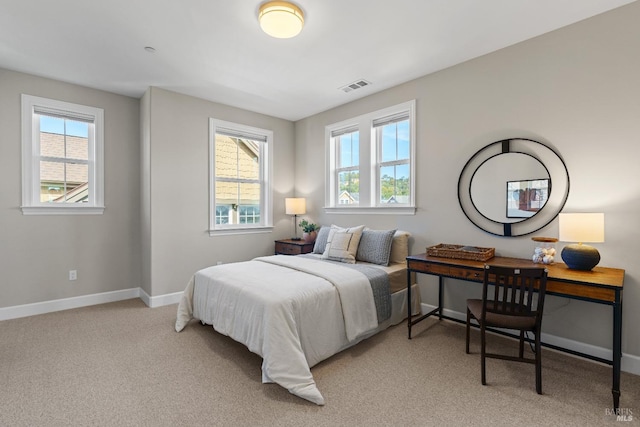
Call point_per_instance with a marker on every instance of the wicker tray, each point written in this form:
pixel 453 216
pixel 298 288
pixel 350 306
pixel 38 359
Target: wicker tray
pixel 473 253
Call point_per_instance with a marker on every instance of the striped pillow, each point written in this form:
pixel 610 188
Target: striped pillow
pixel 375 246
pixel 342 244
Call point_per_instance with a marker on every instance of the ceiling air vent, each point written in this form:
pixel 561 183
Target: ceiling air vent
pixel 355 85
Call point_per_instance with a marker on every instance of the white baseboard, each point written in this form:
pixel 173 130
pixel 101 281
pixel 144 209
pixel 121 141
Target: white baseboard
pixel 25 310
pixel 160 300
pixel 630 363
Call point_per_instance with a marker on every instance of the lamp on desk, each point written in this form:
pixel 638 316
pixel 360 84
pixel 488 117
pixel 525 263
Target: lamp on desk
pixel 581 227
pixel 295 206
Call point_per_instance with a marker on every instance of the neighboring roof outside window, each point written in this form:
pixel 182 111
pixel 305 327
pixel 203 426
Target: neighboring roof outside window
pixel 53 145
pixel 236 158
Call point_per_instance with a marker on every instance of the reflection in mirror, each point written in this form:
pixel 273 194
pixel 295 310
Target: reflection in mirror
pixel 490 178
pixel 534 177
pixel 526 198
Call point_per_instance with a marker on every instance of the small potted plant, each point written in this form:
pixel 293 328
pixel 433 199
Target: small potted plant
pixel 310 230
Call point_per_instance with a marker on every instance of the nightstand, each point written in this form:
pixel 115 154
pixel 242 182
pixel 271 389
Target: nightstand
pixel 293 247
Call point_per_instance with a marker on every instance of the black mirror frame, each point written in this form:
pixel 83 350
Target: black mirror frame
pixel 550 159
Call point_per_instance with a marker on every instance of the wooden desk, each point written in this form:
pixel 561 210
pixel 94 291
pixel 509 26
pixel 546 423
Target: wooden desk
pixel 601 285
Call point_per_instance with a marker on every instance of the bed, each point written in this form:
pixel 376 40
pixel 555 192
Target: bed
pixel 296 311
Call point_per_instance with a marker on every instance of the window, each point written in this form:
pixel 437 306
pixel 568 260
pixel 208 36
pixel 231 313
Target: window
pixel 240 178
pixel 371 162
pixel 392 136
pixel 249 214
pixel 348 165
pixel 62 157
pixel 222 214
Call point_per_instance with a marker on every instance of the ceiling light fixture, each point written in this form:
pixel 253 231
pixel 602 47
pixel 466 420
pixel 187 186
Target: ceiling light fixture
pixel 281 19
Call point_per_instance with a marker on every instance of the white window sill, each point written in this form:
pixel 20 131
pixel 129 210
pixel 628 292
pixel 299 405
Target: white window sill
pixel 367 210
pixel 62 210
pixel 243 230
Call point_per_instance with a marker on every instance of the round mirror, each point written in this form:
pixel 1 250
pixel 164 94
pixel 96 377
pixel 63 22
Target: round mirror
pixel 506 187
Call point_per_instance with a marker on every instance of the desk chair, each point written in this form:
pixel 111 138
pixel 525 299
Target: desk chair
pixel 510 305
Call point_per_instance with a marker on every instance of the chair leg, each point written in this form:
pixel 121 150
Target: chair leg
pixel 468 327
pixel 538 363
pixel 521 344
pixel 483 343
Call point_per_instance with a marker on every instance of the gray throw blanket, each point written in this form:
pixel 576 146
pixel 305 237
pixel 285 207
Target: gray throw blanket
pixel 380 286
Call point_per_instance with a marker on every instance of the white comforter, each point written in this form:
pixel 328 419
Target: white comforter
pixel 292 311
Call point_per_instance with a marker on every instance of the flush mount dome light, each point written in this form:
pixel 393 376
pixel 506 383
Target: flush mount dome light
pixel 281 19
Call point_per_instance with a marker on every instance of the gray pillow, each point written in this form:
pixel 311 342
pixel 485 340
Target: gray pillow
pixel 321 240
pixel 375 246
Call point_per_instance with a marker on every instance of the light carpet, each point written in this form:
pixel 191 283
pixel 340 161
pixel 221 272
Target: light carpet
pixel 122 364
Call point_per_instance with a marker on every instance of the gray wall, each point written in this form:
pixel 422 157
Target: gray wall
pixel 176 197
pixel 37 252
pixel 576 89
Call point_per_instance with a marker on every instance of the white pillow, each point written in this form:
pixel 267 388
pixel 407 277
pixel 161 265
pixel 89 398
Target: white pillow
pixel 342 244
pixel 399 247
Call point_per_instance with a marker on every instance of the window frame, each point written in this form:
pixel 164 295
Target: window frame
pixel 32 106
pixel 265 178
pixel 338 159
pixel 370 151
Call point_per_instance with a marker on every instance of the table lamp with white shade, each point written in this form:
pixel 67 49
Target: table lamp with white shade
pixel 295 206
pixel 581 228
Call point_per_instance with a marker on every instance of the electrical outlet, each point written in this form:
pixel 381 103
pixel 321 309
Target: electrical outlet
pixel 73 274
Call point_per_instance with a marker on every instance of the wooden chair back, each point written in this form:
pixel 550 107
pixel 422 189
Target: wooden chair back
pixel 513 290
